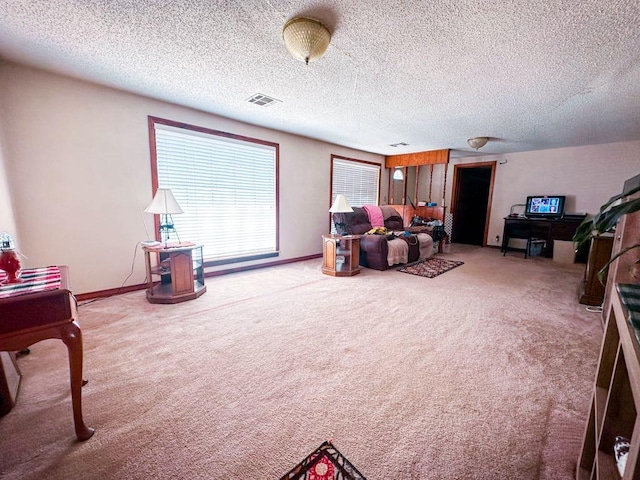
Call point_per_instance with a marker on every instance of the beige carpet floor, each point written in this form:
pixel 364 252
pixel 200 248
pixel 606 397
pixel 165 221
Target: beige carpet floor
pixel 484 372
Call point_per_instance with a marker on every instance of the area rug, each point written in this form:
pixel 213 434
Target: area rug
pixel 324 463
pixel 431 267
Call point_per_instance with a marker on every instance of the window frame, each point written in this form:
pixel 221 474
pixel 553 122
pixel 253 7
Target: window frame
pixel 357 161
pixel 152 121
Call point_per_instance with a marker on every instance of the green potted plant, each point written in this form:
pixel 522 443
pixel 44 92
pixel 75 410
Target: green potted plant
pixel 605 220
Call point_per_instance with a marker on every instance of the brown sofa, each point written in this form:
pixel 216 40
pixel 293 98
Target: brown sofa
pixel 374 249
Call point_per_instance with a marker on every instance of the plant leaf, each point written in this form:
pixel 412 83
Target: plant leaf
pixel 617 197
pixel 608 219
pixel 583 232
pixel 602 272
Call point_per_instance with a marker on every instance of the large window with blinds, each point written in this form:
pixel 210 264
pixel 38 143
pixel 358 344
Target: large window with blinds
pixel 226 184
pixel 357 179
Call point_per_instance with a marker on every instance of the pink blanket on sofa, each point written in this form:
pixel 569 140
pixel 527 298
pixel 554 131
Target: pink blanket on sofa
pixel 376 219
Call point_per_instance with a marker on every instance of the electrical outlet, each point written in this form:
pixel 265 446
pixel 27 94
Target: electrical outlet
pixel 497 238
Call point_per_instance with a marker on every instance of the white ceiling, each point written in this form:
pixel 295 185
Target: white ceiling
pixel 530 74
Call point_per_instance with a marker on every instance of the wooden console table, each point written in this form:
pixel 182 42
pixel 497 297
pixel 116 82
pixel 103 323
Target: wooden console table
pixel 39 308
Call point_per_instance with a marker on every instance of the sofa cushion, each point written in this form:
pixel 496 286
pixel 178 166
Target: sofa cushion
pixel 388 211
pixel 392 219
pixel 394 223
pixel 356 222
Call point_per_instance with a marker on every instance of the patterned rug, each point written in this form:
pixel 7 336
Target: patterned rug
pixel 431 267
pixel 324 463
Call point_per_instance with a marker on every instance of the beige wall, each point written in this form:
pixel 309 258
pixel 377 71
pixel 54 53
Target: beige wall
pixel 77 158
pixel 587 175
pixel 75 175
pixel 7 218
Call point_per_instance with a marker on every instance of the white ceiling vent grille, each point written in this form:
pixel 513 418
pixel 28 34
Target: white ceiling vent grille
pixel 400 144
pixel 262 100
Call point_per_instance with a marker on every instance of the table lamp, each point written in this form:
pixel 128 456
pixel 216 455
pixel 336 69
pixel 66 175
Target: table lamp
pixel 340 205
pixel 165 204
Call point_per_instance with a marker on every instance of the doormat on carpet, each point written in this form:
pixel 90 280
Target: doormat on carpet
pixel 431 267
pixel 324 463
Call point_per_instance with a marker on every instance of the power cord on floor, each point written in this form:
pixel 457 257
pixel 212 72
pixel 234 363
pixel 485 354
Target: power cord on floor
pixel 117 292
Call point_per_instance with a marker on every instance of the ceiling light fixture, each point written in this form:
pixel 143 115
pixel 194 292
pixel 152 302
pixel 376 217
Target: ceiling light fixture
pixel 477 142
pixel 305 38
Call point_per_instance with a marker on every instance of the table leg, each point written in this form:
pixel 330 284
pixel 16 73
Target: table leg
pixel 72 338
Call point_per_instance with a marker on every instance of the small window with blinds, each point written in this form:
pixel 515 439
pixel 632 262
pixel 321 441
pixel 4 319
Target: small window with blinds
pixel 227 186
pixel 357 179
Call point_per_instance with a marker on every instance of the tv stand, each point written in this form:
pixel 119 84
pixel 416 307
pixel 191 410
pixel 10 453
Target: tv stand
pixel 547 229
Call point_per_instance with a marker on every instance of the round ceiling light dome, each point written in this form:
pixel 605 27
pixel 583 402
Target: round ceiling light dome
pixel 305 38
pixel 477 142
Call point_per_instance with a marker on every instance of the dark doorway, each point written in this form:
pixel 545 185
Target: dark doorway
pixel 472 190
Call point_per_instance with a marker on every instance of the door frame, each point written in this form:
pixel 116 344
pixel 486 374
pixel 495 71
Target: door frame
pixel 455 193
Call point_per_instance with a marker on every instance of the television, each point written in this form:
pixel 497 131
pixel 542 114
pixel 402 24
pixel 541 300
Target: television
pixel 545 206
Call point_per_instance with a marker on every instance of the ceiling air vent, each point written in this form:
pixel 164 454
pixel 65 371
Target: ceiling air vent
pixel 401 144
pixel 261 100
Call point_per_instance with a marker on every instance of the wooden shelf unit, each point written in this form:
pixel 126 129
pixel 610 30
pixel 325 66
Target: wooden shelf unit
pixel 341 255
pixel 181 272
pixel 616 395
pixel 616 401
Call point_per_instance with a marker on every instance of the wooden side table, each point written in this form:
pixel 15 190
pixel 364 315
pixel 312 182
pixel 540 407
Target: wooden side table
pixel 28 318
pixel 341 255
pixel 181 272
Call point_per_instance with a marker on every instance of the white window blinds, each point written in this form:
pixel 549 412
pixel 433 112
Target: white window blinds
pixel 227 189
pixel 359 181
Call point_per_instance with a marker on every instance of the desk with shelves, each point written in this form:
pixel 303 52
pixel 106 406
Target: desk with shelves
pixel 181 272
pixel 542 228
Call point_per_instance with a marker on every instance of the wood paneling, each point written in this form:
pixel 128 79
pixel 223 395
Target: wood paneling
pixel 418 158
pixel 407 212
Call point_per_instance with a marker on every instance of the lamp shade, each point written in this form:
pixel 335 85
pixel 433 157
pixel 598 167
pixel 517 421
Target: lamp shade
pixel 305 38
pixel 340 205
pixel 397 174
pixel 477 142
pixel 163 203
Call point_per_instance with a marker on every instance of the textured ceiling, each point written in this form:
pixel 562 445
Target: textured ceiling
pixel 529 74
